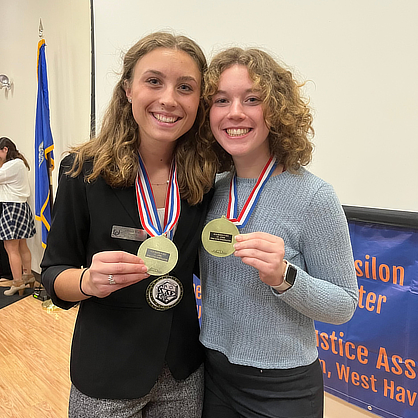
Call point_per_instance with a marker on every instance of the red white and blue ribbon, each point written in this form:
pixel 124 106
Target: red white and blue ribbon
pixel 241 220
pixel 147 208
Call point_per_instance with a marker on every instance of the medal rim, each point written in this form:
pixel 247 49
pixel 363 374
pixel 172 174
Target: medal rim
pixel 153 284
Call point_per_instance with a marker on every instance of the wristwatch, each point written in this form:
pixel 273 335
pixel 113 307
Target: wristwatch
pixel 288 278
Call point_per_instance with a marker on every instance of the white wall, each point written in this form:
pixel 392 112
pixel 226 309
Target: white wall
pixel 67 34
pixel 360 55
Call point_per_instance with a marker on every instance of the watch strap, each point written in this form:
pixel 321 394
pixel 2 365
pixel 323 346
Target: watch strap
pixel 285 284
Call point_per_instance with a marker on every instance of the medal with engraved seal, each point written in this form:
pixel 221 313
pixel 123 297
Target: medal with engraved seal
pixel 164 293
pixel 158 252
pixel 218 235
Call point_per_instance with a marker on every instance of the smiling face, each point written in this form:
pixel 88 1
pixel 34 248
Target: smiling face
pixel 165 94
pixel 237 119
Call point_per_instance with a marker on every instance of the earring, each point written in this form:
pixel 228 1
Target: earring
pixel 129 100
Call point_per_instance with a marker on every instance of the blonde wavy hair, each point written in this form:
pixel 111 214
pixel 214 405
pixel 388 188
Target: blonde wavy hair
pixel 286 112
pixel 114 151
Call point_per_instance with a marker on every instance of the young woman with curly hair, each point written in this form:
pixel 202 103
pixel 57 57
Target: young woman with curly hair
pixel 291 262
pixel 136 350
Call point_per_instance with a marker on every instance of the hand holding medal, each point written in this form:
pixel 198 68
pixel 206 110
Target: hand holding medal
pixel 159 253
pixel 265 252
pixel 218 236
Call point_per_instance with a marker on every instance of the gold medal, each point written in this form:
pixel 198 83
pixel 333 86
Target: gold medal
pixel 218 237
pixel 164 293
pixel 159 254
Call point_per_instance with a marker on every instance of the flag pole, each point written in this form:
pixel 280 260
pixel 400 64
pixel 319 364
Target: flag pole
pixel 51 189
pixel 48 159
pixel 44 145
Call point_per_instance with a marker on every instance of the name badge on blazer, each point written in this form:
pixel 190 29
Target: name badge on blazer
pixel 132 234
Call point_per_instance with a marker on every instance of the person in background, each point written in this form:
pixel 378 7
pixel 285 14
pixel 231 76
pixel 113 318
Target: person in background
pixel 293 262
pixel 16 218
pixel 134 352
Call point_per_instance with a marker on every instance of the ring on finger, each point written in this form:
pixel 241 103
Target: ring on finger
pixel 110 278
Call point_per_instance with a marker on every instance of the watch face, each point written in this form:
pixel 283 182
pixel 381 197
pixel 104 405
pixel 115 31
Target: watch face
pixel 291 274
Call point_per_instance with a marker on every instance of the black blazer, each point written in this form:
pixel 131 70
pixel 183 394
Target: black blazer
pixel 120 343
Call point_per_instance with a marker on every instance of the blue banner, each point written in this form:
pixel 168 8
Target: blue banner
pixel 198 295
pixel 371 361
pixel 44 146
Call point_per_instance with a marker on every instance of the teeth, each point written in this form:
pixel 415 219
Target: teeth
pixel 237 132
pixel 163 118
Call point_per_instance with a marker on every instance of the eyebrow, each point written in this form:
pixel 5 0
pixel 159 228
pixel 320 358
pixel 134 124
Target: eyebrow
pixel 182 78
pixel 246 91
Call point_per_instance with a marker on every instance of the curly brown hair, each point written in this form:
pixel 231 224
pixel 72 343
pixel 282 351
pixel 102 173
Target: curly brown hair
pixel 115 149
pixel 286 112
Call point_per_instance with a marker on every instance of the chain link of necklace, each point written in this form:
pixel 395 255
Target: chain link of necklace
pixel 160 184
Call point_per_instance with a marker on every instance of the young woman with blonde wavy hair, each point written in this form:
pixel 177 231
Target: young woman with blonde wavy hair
pixel 288 259
pixel 147 175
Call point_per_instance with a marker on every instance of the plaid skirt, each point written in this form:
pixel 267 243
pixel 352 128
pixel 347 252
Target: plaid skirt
pixel 16 221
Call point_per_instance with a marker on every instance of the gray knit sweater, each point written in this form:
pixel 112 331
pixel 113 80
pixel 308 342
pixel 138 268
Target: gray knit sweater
pixel 246 319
